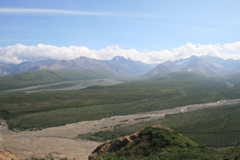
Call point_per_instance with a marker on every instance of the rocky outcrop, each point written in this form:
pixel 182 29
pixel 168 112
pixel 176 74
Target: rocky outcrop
pixel 112 146
pixel 116 145
pixel 7 155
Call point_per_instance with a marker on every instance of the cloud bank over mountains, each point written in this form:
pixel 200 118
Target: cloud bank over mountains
pixel 20 53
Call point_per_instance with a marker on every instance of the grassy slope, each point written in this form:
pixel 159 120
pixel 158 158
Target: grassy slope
pixel 234 79
pixel 216 127
pixel 230 154
pixel 161 143
pixel 45 77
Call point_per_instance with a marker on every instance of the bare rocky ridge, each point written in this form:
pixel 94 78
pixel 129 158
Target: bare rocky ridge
pixel 26 144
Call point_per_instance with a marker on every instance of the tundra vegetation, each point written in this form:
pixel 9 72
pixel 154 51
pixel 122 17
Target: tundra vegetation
pixel 213 127
pixel 47 109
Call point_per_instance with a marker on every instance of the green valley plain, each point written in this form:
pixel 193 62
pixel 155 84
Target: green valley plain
pixel 73 122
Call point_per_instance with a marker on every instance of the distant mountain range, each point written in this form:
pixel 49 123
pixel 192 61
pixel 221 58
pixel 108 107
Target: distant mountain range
pixel 117 65
pixel 205 65
pixel 9 69
pixel 121 66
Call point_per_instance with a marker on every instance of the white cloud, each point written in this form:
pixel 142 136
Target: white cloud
pixel 20 53
pixel 13 60
pixel 72 12
pixel 49 11
pixel 232 46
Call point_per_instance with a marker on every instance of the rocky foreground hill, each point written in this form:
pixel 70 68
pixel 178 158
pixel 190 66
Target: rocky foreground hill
pixel 152 142
pixel 7 155
pixel 158 142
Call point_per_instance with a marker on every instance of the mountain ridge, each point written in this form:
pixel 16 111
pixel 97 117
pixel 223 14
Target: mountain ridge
pixel 117 65
pixel 205 65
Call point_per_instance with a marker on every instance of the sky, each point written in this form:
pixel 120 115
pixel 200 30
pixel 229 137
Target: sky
pixel 152 31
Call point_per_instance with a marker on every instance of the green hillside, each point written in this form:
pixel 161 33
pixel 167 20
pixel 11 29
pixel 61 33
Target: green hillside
pixel 182 76
pixel 215 127
pixel 45 77
pixel 153 143
pixel 231 154
pixel 234 79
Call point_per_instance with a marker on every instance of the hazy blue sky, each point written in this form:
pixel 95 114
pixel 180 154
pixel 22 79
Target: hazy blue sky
pixel 144 25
